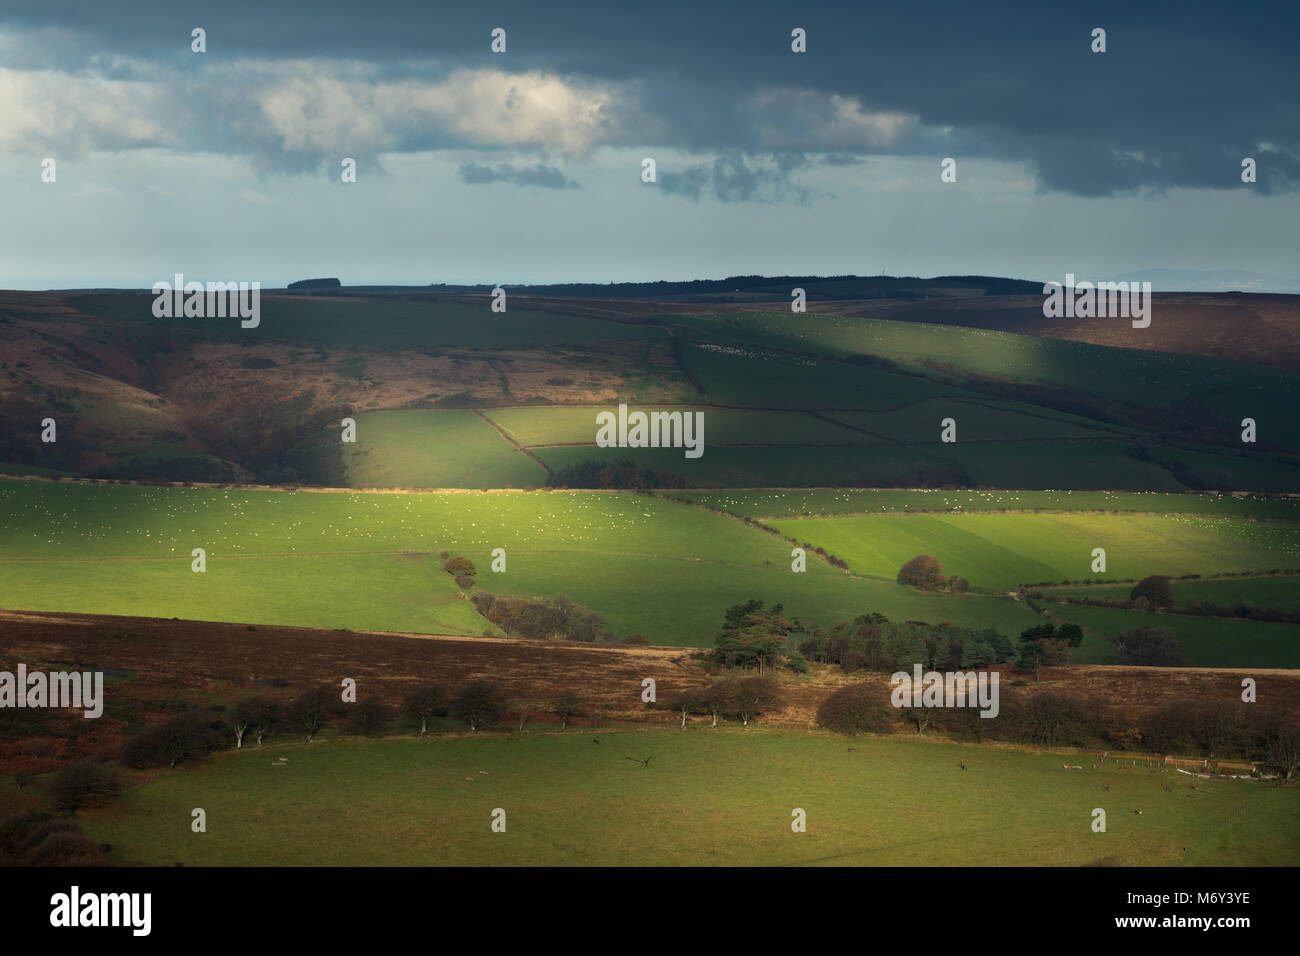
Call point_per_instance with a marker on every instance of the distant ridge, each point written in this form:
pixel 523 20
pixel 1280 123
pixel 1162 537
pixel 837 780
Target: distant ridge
pixel 743 288
pixel 315 284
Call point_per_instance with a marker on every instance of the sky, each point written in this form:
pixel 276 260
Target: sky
pixel 527 165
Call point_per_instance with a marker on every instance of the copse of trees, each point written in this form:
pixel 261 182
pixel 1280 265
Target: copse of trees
pixel 190 735
pixel 1046 644
pixel 755 636
pixel 743 698
pixel 872 642
pixel 558 619
pixel 1157 589
pixel 924 572
pixel 1150 647
pixel 462 569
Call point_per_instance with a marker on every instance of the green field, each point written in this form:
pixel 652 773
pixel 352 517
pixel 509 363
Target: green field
pixel 1233 389
pixel 721 797
pixel 1204 641
pixel 555 425
pixel 1004 550
pixel 1030 412
pixel 435 449
pixel 920 423
pixel 1281 592
pixel 369 561
pixel 826 502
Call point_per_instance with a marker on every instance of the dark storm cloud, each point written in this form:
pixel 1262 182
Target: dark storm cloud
pixel 1183 93
pixel 475 174
pixel 730 178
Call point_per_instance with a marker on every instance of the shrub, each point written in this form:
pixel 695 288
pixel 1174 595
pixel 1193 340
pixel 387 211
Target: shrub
pixel 1150 647
pixel 459 565
pixel 1051 718
pixel 187 736
pixel 922 572
pixel 1157 589
pixel 85 784
pixel 465 581
pixel 635 639
pixel 958 585
pixel 371 717
pixel 858 709
pixel 38 839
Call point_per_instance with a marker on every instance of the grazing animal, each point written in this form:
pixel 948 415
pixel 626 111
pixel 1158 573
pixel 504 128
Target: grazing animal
pixel 645 762
pixel 1138 812
pixel 1105 786
pixel 1167 789
pixel 594 740
pixel 962 765
pixel 852 749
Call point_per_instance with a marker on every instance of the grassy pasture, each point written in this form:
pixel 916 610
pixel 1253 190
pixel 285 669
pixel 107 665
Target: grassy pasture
pixel 738 376
pixel 1003 550
pixel 369 560
pixel 1059 464
pixel 1225 390
pixel 1204 641
pixel 435 449
pixel 827 502
pixel 920 423
pixel 725 796
pixel 1281 592
pixel 552 425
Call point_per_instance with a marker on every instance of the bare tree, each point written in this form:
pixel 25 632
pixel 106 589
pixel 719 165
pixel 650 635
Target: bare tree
pixel 750 696
pixel 566 706
pixel 479 704
pixel 1282 752
pixel 428 700
pixel 313 709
